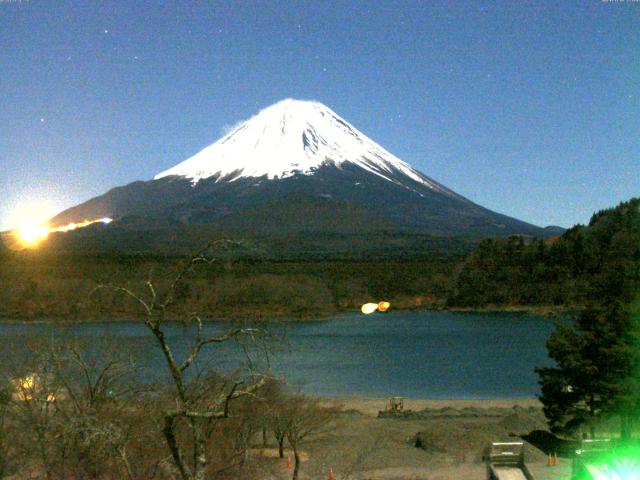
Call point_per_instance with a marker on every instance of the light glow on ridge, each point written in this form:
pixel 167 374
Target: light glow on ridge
pixel 31 233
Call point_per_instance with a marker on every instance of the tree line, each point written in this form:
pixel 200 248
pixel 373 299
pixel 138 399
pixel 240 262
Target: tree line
pixel 559 271
pixel 37 286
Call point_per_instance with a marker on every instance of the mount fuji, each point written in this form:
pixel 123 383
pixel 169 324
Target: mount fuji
pixel 293 137
pixel 296 169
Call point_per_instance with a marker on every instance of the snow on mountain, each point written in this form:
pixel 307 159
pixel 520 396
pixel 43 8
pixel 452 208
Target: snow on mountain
pixel 294 170
pixel 294 137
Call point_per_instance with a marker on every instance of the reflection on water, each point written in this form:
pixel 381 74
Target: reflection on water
pixel 413 354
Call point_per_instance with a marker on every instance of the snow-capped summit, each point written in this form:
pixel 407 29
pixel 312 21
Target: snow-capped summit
pixel 293 137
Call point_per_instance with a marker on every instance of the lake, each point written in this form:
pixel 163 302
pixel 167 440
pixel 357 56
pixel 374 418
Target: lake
pixel 424 354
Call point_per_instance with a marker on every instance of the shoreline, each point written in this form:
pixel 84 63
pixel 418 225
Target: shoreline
pixel 370 406
pixel 542 311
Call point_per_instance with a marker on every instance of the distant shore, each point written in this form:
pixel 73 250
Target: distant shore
pixel 370 406
pixel 281 316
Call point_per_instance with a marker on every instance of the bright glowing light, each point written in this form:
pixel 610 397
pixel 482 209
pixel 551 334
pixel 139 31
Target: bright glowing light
pixel 30 233
pixel 24 387
pixel 27 382
pixel 608 460
pixel 383 306
pixel 368 308
pixel 618 469
pixel 74 226
pixel 29 388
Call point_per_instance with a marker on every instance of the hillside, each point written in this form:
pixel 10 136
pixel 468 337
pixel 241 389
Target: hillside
pixel 559 271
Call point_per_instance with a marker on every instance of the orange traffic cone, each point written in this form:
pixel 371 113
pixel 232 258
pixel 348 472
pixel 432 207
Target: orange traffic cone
pixel 555 458
pixel 289 464
pixel 549 461
pixel 330 477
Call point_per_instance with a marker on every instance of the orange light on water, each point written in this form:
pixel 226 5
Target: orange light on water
pixel 384 306
pixel 369 308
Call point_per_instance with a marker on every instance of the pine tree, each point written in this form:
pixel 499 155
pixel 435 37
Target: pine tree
pixel 597 371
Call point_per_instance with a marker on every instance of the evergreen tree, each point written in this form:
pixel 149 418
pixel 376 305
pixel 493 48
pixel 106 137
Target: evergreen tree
pixel 597 371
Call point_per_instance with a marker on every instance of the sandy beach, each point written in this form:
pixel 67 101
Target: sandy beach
pixel 371 406
pixel 359 445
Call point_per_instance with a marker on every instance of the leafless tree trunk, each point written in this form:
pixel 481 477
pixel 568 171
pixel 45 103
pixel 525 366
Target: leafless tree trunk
pixel 196 413
pixel 296 466
pixel 280 438
pixel 305 417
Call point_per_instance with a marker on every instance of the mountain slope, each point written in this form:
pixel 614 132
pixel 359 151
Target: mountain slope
pixel 297 167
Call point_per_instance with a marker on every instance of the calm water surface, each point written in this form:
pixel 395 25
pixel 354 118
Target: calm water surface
pixel 413 354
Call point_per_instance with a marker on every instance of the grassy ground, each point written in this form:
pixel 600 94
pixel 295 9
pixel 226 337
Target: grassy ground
pixel 361 446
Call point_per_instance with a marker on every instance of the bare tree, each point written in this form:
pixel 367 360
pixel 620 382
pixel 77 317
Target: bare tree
pixel 190 409
pixel 69 406
pixel 97 389
pixel 274 415
pixel 33 393
pixel 305 417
